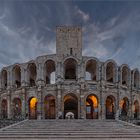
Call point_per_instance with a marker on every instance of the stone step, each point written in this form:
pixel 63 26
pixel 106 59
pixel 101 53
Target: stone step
pixel 70 129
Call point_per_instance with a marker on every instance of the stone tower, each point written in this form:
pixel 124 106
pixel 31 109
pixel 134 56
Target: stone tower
pixel 68 42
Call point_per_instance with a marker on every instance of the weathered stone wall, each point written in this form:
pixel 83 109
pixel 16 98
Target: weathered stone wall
pixel 67 38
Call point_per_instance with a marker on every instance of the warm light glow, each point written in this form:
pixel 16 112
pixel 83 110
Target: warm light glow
pixel 33 102
pixel 121 103
pixel 94 100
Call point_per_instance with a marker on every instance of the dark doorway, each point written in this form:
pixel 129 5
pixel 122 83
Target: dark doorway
pixel 110 107
pixel 4 109
pixel 71 105
pixel 49 107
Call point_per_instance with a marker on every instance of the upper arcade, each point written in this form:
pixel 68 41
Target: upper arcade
pixel 67 65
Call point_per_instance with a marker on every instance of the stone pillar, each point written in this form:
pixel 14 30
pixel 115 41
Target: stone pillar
pixel 9 79
pixel 103 111
pixel 82 103
pixel 102 105
pixel 23 104
pixel 9 105
pixel 58 73
pixel 40 77
pixel 82 107
pixel 39 104
pixel 99 112
pixel 23 76
pixel 59 113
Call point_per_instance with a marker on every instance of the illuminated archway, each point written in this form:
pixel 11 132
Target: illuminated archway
pixel 136 109
pixel 4 109
pixel 71 105
pixel 17 108
pixel 124 104
pixel 33 108
pixel 49 107
pixel 92 107
pixel 110 107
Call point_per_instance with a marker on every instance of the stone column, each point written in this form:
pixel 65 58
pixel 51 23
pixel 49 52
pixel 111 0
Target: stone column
pixel 39 104
pixel 82 107
pixel 9 105
pixel 103 106
pixel 9 79
pixel 59 113
pixel 58 72
pixel 82 103
pixel 23 104
pixel 40 77
pixel 23 77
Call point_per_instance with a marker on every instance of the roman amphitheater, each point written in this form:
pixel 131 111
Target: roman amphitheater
pixel 69 85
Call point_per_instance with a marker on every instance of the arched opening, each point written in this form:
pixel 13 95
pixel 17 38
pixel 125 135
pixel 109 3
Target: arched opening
pixel 91 67
pixel 110 107
pixel 17 76
pixel 49 107
pixel 32 108
pixel 125 76
pixel 50 72
pixel 70 66
pixel 136 109
pixel 17 108
pixel 110 72
pixel 4 114
pixel 124 104
pixel 71 105
pixel 32 74
pixel 4 79
pixel 136 79
pixel 91 107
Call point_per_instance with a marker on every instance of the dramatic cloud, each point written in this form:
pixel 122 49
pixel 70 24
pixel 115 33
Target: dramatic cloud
pixel 110 30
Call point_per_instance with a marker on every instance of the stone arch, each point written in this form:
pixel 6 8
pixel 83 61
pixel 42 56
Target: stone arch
pixel 110 107
pixel 17 107
pixel 70 69
pixel 17 76
pixel 71 105
pixel 32 107
pixel 4 78
pixel 32 74
pixel 49 72
pixel 136 79
pixel 91 70
pixel 92 108
pixel 4 109
pixel 110 71
pixel 124 105
pixel 125 75
pixel 136 109
pixel 49 107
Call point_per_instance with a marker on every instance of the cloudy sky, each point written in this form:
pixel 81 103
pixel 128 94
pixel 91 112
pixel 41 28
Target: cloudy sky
pixel 111 30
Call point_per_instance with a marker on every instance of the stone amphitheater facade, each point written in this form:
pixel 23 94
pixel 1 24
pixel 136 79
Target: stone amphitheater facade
pixel 67 84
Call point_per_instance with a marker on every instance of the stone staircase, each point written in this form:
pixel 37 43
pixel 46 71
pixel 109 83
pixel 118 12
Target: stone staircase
pixel 71 129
